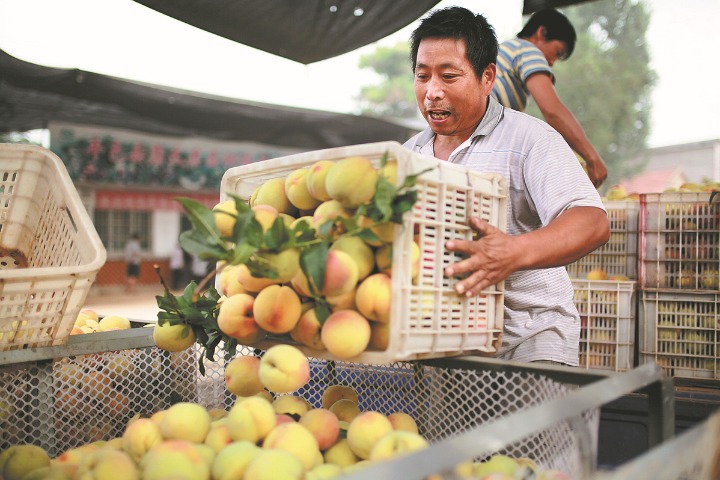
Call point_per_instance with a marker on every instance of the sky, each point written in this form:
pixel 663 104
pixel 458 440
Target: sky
pixel 124 39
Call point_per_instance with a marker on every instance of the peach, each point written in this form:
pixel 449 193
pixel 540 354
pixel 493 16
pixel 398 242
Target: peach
pixel 345 410
pixel 107 464
pixel 242 376
pixel 330 211
pixel 403 421
pixel 185 421
pixel 340 276
pixel 389 171
pixel 291 405
pixel 341 454
pixel 274 464
pixel 219 436
pixel 283 418
pixel 379 336
pixel 296 189
pixel 231 462
pixel 228 283
pixel 385 231
pixel 175 459
pixel 76 330
pixel 250 282
pixel 19 460
pixel 251 419
pixel 225 214
pixel 315 179
pixel 173 338
pixel 265 215
pixel 272 193
pixel 285 264
pixel 344 301
pixel 352 181
pixel 307 331
pixel 277 309
pixel 333 393
pixel 326 471
pixel 295 439
pixel 53 472
pixel 396 443
pixel 323 424
pixel 383 259
pixel 359 251
pixel 345 333
pixel 284 369
pixel 235 319
pixel 365 430
pixel 373 297
pixel 113 322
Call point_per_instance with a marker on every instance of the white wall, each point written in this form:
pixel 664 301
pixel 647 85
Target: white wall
pixel 166 230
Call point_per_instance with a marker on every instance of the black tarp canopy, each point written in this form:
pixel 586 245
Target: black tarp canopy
pixel 31 96
pixel 307 31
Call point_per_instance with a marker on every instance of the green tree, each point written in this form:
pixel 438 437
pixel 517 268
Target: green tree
pixel 393 95
pixel 607 83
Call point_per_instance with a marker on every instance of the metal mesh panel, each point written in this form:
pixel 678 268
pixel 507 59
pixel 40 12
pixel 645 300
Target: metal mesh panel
pixel 76 400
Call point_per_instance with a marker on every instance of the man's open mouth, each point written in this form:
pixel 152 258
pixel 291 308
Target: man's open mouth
pixel 438 114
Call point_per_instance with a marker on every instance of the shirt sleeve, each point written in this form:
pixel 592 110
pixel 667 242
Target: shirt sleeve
pixel 555 179
pixel 529 61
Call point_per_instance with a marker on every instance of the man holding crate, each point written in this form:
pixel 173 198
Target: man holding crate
pixel 555 215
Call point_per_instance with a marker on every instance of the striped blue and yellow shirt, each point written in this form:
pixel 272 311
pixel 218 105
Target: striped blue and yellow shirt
pixel 517 60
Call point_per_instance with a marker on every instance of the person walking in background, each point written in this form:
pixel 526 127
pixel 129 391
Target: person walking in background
pixel 524 68
pixel 177 267
pixel 199 268
pixel 132 261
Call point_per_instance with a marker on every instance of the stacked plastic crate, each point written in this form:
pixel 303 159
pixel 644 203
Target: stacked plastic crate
pixel 679 282
pixel 604 283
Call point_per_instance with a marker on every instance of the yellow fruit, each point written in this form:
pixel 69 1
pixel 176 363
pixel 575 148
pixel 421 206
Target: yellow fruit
pixel 225 214
pixel 173 338
pixel 352 181
pixel 597 274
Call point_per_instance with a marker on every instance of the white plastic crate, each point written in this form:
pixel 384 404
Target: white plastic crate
pixel 607 328
pixel 679 242
pixel 428 318
pixel 680 332
pixel 50 252
pixel 619 256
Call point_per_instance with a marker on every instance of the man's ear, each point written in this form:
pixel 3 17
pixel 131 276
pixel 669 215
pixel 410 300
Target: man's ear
pixel 488 78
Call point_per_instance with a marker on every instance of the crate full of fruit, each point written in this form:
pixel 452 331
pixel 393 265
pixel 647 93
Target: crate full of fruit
pixel 607 323
pixel 342 252
pixel 50 251
pixel 618 258
pixel 680 241
pixel 679 331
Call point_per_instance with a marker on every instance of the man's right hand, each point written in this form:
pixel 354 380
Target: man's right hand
pixel 597 171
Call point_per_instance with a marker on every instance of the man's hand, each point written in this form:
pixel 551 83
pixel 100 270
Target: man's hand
pixel 491 258
pixel 597 171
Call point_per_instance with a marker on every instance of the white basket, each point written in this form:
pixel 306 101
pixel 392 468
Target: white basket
pixel 428 318
pixel 43 221
pixel 619 256
pixel 607 316
pixel 679 332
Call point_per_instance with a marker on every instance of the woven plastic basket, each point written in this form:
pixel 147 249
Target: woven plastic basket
pixel 50 252
pixel 427 318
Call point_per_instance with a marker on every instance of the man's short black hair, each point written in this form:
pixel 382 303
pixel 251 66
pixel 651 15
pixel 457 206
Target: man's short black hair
pixel 461 24
pixel 557 27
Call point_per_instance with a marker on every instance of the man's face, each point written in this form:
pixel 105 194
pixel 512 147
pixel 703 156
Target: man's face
pixel 451 97
pixel 553 50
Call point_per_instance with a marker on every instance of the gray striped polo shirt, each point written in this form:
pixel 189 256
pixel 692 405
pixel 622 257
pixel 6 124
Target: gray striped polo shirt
pixel 544 179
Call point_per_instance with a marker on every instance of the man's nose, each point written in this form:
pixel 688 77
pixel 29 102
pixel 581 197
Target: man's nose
pixel 435 90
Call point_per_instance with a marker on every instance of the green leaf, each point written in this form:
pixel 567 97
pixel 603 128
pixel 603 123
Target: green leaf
pixel 312 262
pixel 277 234
pixel 322 310
pixel 242 253
pixel 194 242
pixel 202 218
pixel 367 235
pixel 248 229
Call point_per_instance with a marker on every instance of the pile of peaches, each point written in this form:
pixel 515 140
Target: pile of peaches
pixel 358 273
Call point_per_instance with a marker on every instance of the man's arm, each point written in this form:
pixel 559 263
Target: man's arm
pixel 495 255
pixel 561 119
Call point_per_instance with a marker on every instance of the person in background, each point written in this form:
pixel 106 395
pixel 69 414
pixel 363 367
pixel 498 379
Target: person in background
pixel 177 267
pixel 524 68
pixel 555 215
pixel 133 250
pixel 199 268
